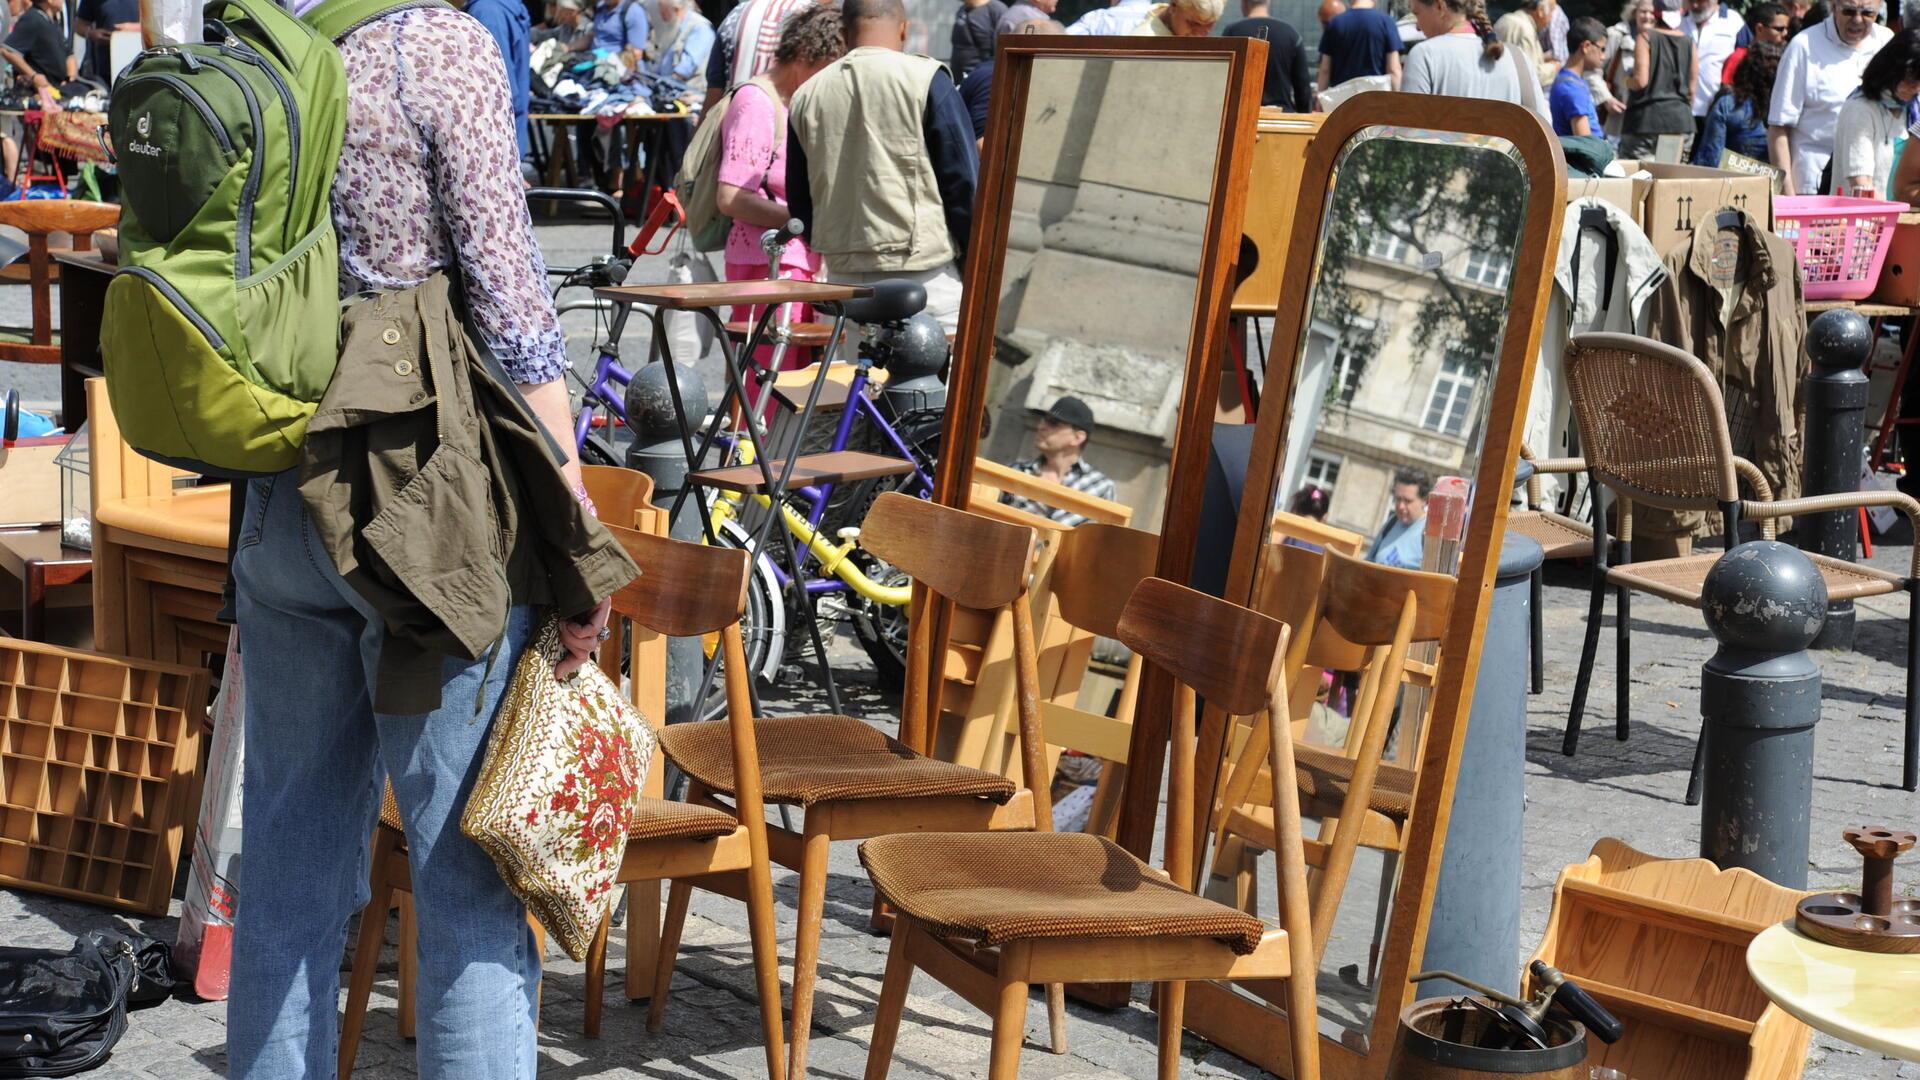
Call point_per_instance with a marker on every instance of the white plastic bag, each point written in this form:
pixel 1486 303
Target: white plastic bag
pixel 689 333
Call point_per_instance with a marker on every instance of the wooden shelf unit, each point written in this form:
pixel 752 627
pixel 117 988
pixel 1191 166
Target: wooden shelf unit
pixel 99 773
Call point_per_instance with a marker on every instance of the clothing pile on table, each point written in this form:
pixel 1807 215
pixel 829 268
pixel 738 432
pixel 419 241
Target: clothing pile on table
pixel 600 83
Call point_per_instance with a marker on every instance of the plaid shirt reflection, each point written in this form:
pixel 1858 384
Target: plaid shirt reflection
pixel 1081 477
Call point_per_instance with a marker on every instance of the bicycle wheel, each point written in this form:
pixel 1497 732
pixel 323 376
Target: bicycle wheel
pixel 598 451
pixel 880 628
pixel 763 628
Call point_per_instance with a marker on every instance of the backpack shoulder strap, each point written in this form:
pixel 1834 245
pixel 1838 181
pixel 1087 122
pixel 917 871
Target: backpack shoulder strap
pixel 335 19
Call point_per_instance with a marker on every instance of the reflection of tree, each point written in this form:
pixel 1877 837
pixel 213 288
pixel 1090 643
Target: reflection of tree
pixel 1433 197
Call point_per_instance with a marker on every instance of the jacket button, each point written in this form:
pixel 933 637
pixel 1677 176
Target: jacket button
pixel 391 335
pixel 417 399
pixel 403 369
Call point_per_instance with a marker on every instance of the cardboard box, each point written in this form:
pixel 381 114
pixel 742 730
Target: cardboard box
pixel 1622 191
pixel 1680 197
pixel 1900 272
pixel 31 482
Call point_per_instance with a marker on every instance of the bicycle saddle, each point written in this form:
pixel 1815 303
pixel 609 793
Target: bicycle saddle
pixel 893 300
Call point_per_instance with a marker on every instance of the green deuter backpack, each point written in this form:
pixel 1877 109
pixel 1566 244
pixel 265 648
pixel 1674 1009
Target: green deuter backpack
pixel 222 327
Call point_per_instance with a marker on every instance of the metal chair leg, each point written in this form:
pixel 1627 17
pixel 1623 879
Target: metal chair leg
pixel 1693 777
pixel 1537 645
pixel 1596 606
pixel 1623 662
pixel 1910 764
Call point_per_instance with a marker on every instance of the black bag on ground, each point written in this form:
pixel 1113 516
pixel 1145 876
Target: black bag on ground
pixel 62 1013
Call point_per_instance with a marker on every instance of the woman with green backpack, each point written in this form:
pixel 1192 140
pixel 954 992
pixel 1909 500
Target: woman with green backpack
pixel 430 212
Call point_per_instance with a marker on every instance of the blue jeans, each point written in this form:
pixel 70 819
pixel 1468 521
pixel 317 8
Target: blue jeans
pixel 315 755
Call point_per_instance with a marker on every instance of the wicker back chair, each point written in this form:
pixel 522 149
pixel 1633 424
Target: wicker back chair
pixel 1654 430
pixel 988 914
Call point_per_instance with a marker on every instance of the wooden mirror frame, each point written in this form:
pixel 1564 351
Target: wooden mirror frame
pixel 1258 1032
pixel 1206 339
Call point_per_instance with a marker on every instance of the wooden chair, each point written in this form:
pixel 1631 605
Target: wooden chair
pixel 988 914
pixel 39 218
pixel 1303 529
pixel 852 781
pixel 1374 615
pixel 1654 430
pixel 1663 943
pixel 1559 537
pixel 1097 568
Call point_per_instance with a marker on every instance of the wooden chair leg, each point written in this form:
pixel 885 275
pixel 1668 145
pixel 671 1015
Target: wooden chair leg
pixel 643 937
pixel 1057 1017
pixel 1009 1024
pixel 893 1001
pixel 1589 649
pixel 366 950
pixel 597 976
pixel 677 897
pixel 1173 1007
pixel 766 965
pixel 806 947
pixel 409 962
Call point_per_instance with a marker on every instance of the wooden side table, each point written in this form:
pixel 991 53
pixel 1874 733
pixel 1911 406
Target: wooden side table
pixel 39 561
pixel 1865 998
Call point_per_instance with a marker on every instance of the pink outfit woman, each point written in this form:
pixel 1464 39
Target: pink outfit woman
pixel 753 135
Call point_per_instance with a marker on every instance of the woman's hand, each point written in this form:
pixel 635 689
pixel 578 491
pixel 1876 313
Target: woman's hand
pixel 580 637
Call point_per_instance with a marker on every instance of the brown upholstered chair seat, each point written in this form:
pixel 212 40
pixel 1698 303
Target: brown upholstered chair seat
pixel 1325 775
pixel 1000 887
pixel 813 759
pixel 1680 580
pixel 1559 536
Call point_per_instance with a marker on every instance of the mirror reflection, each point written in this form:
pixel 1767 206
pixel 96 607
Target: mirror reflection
pixel 1097 290
pixel 1393 385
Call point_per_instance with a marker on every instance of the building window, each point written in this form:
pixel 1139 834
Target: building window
pixel 1486 268
pixel 1385 245
pixel 1323 471
pixel 1350 362
pixel 1452 397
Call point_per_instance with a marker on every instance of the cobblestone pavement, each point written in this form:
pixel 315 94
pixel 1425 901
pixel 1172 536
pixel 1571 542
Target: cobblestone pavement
pixel 1631 790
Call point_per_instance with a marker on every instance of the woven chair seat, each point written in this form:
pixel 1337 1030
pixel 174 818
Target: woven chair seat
pixel 1559 536
pixel 814 759
pixel 1325 776
pixel 1680 580
pixel 1002 887
pixel 663 819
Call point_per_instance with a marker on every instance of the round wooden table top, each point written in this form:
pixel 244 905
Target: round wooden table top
pixel 1868 999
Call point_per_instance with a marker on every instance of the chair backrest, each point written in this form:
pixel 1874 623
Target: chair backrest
pixel 1652 422
pixel 690 590
pixel 620 495
pixel 1286 526
pixel 1362 600
pixel 971 560
pixel 1096 572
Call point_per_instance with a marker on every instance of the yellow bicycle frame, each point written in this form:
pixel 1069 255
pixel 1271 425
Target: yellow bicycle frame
pixel 833 559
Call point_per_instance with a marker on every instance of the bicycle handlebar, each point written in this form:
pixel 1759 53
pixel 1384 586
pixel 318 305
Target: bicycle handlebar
pixel 587 197
pixel 785 234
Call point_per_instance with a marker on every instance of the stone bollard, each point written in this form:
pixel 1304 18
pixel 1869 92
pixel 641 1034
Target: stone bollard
pixel 1759 699
pixel 1838 343
pixel 1475 926
pixel 657 450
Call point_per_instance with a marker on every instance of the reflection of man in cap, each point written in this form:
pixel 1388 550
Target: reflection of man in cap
pixel 1060 437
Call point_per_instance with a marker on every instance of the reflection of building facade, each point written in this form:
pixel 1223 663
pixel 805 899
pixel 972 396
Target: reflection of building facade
pixel 1103 251
pixel 1385 403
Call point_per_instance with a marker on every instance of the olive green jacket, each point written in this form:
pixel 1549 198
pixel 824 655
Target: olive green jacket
pixel 439 496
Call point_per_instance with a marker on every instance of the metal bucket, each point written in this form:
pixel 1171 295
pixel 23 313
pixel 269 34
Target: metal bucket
pixel 1436 1042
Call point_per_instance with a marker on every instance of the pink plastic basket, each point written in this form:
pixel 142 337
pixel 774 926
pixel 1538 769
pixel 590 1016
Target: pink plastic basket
pixel 1839 241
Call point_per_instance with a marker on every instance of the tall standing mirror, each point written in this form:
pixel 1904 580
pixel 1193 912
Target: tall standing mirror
pixel 1088 355
pixel 1377 491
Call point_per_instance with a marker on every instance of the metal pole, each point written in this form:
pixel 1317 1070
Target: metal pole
pixel 1838 343
pixel 1475 927
pixel 1759 700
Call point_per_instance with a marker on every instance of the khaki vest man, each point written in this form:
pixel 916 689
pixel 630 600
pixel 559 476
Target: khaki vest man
pixel 881 161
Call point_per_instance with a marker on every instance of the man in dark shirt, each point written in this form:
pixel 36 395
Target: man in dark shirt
pixel 975 26
pixel 1287 85
pixel 37 49
pixel 96 21
pixel 1362 41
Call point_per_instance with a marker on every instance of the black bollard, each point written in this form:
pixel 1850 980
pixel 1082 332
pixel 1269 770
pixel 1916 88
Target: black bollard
pixel 1759 699
pixel 1838 344
pixel 657 450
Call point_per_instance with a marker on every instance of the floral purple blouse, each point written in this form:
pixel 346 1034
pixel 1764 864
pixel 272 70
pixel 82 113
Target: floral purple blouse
pixel 430 175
